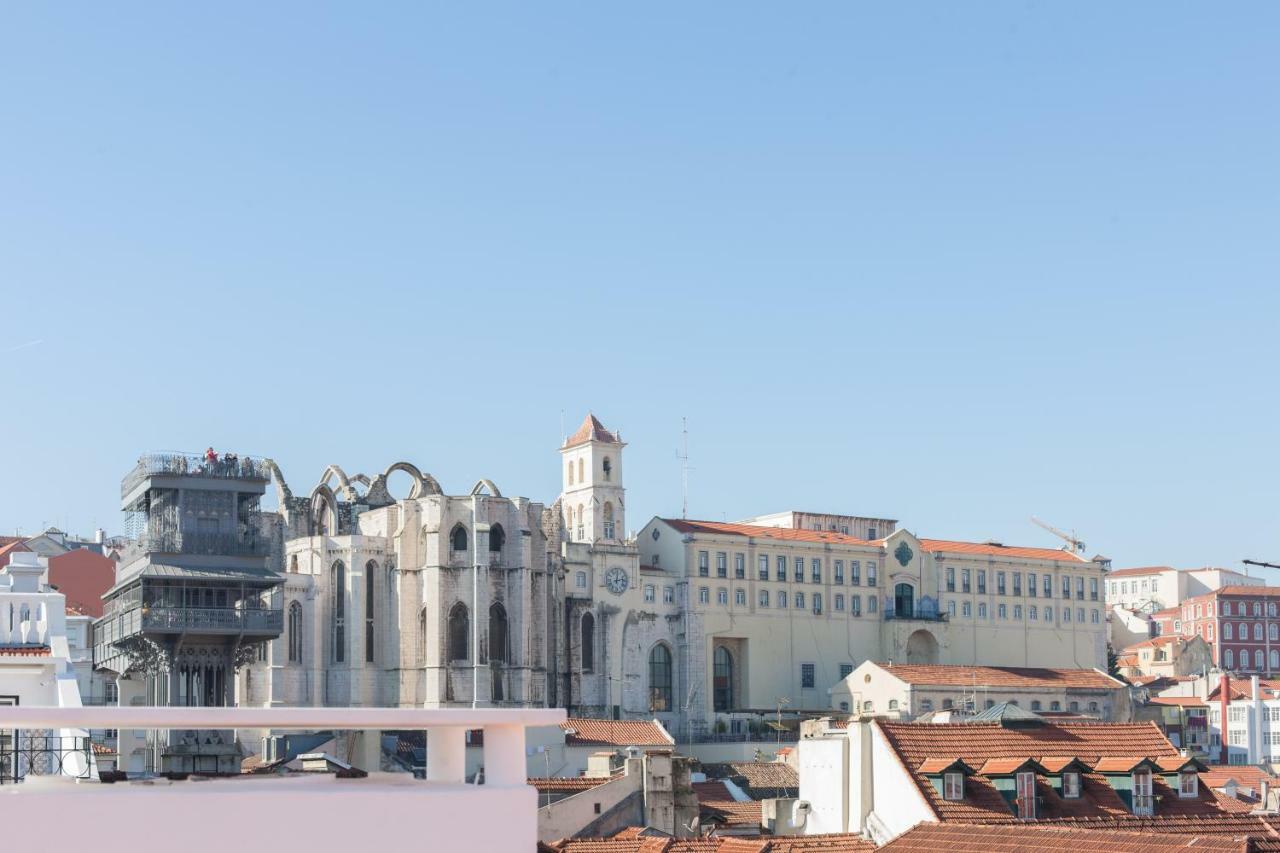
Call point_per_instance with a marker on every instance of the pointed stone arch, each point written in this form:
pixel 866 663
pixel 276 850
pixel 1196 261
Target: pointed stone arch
pixel 323 509
pixel 483 483
pixel 344 482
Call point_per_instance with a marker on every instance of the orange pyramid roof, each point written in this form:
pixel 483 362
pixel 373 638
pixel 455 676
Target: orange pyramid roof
pixel 591 430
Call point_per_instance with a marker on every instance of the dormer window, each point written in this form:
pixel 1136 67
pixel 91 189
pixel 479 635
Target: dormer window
pixel 1188 784
pixel 953 786
pixel 1071 785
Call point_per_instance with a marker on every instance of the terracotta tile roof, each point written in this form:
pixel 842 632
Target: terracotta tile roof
pixel 1249 776
pixel 792 534
pixel 931 837
pixel 1120 763
pixel 631 841
pixel 1002 766
pixel 566 784
pixel 1154 642
pixel 977 743
pixel 759 779
pixel 997 550
pixel 1230 824
pixel 1183 701
pixel 940 765
pixel 580 731
pixel 1000 676
pixel 1241 803
pixel 1255 591
pixel 1138 570
pixel 591 430
pixel 719 806
pixel 25 651
pixel 12 547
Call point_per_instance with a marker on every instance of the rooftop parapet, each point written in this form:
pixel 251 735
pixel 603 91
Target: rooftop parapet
pixel 194 465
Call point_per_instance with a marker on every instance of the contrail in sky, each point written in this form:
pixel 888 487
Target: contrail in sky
pixel 24 346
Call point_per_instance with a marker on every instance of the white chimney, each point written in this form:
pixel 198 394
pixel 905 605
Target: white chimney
pixel 99 536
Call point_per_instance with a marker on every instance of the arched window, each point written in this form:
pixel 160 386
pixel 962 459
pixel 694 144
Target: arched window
pixel 588 642
pixel 458 538
pixel 1257 630
pixel 1258 663
pixel 1257 608
pixel 458 632
pixel 1228 659
pixel 660 678
pixel 497 633
pixel 293 564
pixel 581 477
pixel 582 530
pixel 295 633
pixel 370 569
pixel 1273 631
pixel 722 679
pixel 571 473
pixel 1226 630
pixel 338 607
pixel 608 469
pixel 608 520
pixel 1275 661
pixel 497 538
pixel 422 637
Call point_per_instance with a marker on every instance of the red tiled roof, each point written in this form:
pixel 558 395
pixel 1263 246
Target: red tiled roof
pixel 1000 676
pixel 948 546
pixel 715 801
pixel 591 430
pixel 932 837
pixel 25 651
pixel 1230 824
pixel 614 732
pixel 1182 701
pixel 1266 591
pixel 630 841
pixel 1119 763
pixel 13 546
pixel 565 784
pixel 792 534
pixel 976 743
pixel 1248 775
pixel 1138 570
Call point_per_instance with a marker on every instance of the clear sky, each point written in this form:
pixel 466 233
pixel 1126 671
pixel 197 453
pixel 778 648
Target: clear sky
pixel 956 264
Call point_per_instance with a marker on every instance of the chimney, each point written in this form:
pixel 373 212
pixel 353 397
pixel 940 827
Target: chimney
pixel 99 536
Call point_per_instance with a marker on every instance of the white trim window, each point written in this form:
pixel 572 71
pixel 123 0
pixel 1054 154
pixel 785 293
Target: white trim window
pixel 1071 785
pixel 953 786
pixel 1188 784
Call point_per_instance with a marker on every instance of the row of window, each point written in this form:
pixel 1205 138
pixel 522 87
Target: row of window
pixel 1034 613
pixel 782 566
pixel 1010 583
pixel 1260 662
pixel 1242 631
pixel 1241 608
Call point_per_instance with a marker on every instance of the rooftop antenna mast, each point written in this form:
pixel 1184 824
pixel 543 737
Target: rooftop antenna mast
pixel 683 456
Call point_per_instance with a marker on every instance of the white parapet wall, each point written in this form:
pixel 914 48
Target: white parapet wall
pixel 383 811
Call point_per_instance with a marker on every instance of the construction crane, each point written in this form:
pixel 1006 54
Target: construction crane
pixel 1261 564
pixel 1073 544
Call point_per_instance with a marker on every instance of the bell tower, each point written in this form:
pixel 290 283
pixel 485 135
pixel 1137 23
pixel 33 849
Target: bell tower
pixel 591 492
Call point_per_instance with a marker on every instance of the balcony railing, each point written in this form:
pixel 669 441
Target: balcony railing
pixel 500 814
pixel 193 465
pixel 198 542
pixel 227 619
pixel 915 612
pixel 23 755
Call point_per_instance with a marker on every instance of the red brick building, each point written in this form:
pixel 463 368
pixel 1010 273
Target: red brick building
pixel 1240 623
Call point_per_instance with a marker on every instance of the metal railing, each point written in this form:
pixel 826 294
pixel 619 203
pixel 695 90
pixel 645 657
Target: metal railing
pixel 211 618
pixel 23 755
pixel 193 465
pixel 197 542
pixel 917 613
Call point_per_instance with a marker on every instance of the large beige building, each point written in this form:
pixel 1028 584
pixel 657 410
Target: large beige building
pixel 778 615
pixel 699 624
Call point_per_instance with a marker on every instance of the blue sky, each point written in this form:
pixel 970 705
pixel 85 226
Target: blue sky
pixel 951 263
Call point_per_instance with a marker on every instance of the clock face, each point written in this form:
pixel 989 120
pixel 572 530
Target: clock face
pixel 616 580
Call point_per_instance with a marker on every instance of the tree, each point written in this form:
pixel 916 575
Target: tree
pixel 1113 664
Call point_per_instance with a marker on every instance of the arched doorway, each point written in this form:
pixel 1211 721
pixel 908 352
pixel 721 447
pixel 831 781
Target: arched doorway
pixel 722 679
pixel 922 648
pixel 904 600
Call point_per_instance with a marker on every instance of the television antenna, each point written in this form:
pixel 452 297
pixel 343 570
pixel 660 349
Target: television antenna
pixel 683 456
